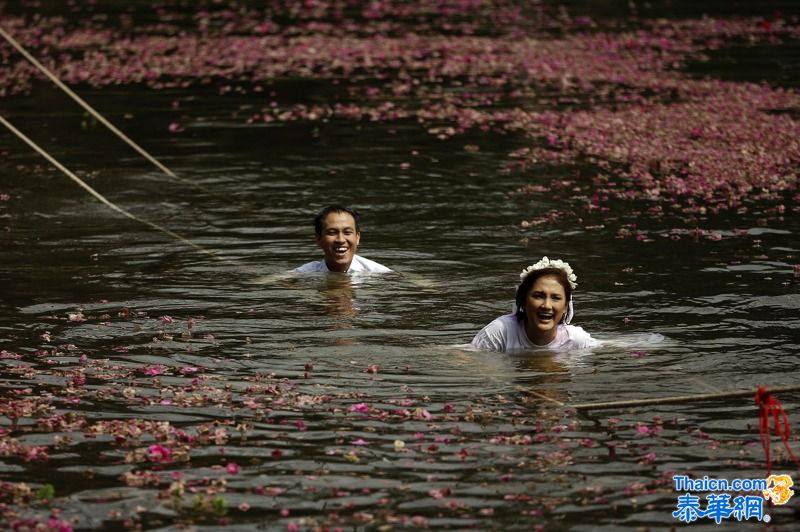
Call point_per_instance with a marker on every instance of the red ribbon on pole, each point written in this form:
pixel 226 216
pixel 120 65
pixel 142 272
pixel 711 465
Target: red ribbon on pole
pixel 768 405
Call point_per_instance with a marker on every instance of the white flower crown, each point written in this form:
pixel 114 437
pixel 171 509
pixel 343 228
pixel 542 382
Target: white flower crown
pixel 557 264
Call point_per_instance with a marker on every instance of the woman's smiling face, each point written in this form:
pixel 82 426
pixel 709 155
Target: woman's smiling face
pixel 545 305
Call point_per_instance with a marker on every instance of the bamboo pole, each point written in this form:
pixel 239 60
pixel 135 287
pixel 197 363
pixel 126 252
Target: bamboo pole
pixel 102 199
pixel 100 118
pixel 680 399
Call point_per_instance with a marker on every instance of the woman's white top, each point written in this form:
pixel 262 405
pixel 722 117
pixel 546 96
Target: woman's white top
pixel 506 333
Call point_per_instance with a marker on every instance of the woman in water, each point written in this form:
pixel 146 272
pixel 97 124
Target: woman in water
pixel 541 314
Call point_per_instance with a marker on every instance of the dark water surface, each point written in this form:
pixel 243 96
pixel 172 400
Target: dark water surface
pixel 308 384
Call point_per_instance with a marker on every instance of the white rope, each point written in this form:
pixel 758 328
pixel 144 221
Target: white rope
pixel 102 198
pixel 85 105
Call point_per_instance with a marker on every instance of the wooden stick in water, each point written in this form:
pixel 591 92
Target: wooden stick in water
pixel 681 399
pixel 103 199
pixel 542 396
pixel 100 118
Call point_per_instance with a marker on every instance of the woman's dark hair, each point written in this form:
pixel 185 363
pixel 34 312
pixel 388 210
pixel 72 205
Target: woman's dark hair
pixel 319 219
pixel 525 286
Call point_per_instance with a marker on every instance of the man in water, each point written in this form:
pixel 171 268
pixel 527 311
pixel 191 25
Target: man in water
pixel 338 235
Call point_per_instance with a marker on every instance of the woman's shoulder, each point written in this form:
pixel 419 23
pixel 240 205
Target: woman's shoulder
pixel 494 336
pixel 579 336
pixel 506 321
pixel 501 324
pixel 577 329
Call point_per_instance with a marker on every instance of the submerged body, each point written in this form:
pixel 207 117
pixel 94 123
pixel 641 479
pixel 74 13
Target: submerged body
pixel 358 264
pixel 508 334
pixel 542 313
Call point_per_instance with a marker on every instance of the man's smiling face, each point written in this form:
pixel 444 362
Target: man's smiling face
pixel 339 240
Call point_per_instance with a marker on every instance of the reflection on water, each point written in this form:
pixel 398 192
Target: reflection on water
pixel 339 305
pixel 548 373
pixel 339 296
pixel 353 399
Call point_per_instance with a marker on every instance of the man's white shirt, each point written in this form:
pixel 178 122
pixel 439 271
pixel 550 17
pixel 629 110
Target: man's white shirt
pixel 358 265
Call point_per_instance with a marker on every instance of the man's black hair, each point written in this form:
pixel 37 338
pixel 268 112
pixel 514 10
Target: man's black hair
pixel 320 217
